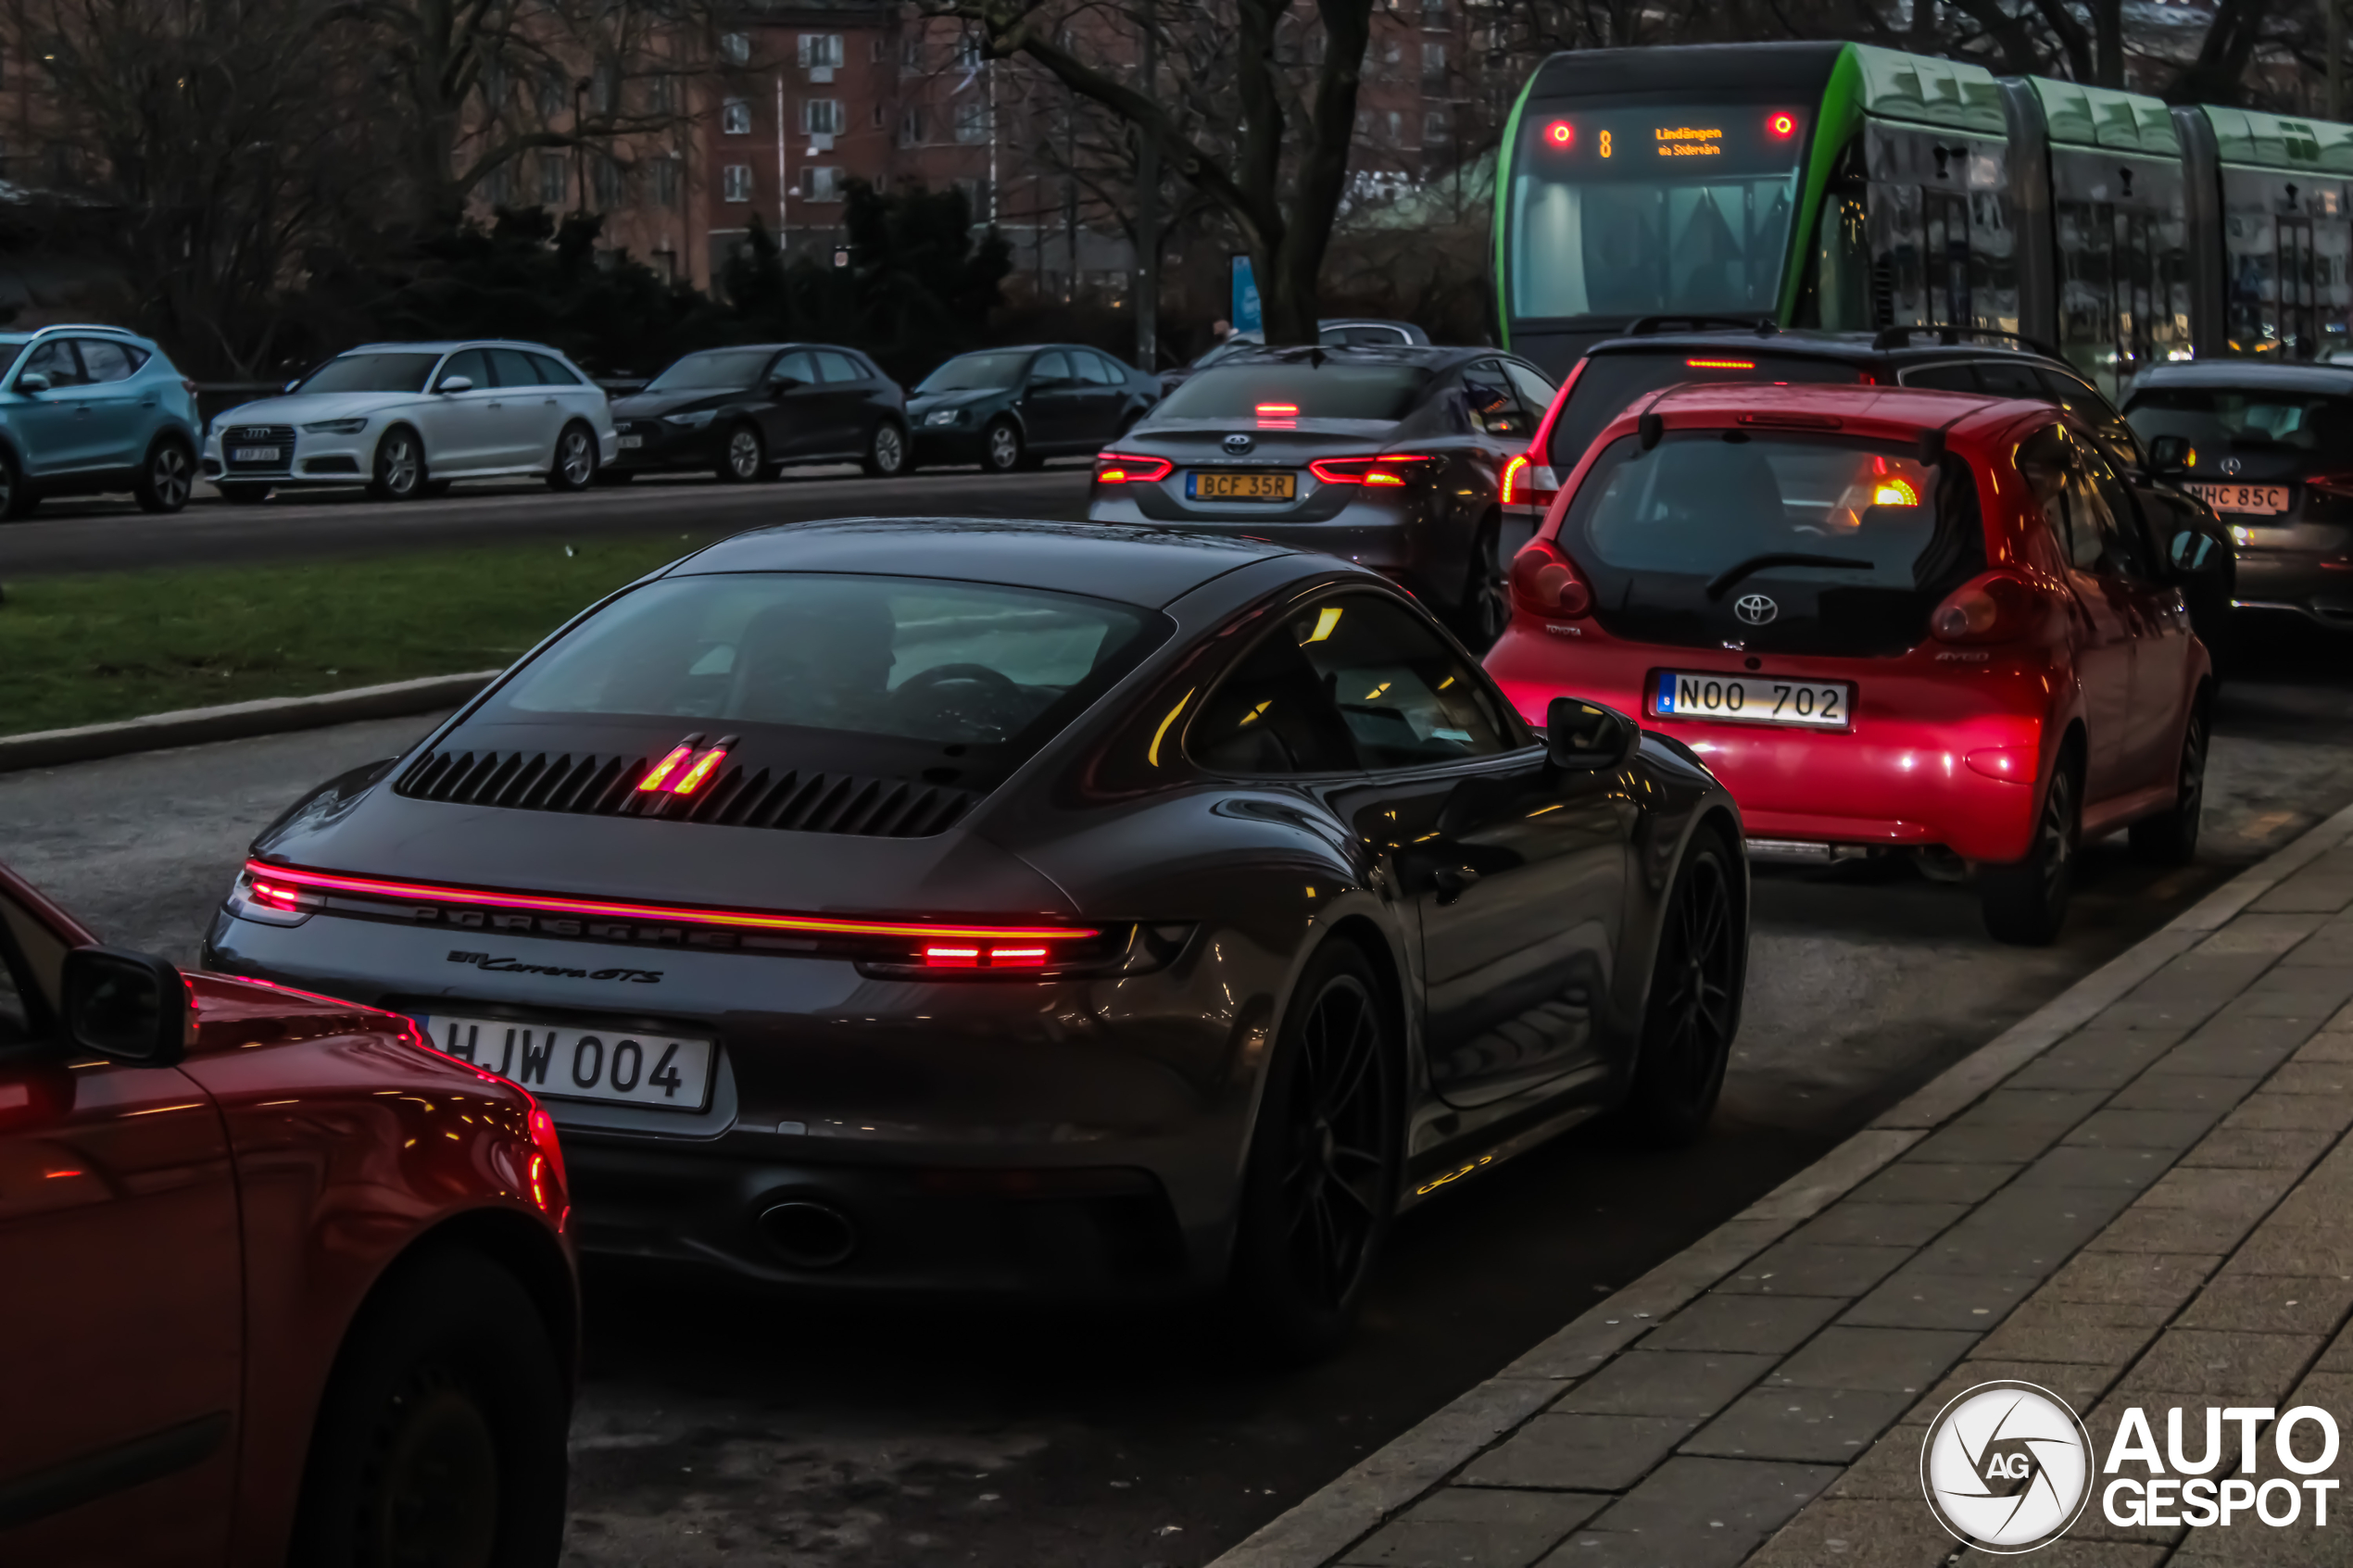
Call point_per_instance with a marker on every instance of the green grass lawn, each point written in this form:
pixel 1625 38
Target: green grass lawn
pixel 86 648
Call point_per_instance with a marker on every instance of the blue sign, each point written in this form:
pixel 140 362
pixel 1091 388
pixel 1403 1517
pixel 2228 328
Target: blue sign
pixel 1245 310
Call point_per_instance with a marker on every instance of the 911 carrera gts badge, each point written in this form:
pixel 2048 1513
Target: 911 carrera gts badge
pixel 515 966
pixel 1756 609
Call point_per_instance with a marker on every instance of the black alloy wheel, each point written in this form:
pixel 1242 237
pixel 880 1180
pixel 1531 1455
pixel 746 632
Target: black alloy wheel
pixel 887 452
pixel 167 477
pixel 1483 607
pixel 1695 1009
pixel 1001 447
pixel 744 457
pixel 1322 1179
pixel 440 1441
pixel 16 497
pixel 400 466
pixel 573 466
pixel 2170 838
pixel 2025 902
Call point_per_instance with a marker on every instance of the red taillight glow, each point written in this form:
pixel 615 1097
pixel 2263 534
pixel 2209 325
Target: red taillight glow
pixel 1124 468
pixel 1781 126
pixel 694 778
pixel 278 895
pixel 376 888
pixel 662 770
pixel 1543 583
pixel 1515 472
pixel 1277 410
pixel 984 958
pixel 1893 492
pixel 2340 486
pixel 1560 133
pixel 1390 468
pixel 1721 364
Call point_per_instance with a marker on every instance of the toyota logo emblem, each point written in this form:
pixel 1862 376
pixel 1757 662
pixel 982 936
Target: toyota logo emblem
pixel 1238 443
pixel 1756 609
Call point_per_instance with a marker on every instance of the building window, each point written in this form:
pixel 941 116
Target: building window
pixel 820 49
pixel 665 172
pixel 1396 128
pixel 611 182
pixel 968 50
pixel 910 53
pixel 1433 13
pixel 878 114
pixel 1434 129
pixel 974 193
pixel 911 129
pixel 823 117
pixel 734 117
pixel 1433 64
pixel 494 86
pixel 605 87
pixel 734 182
pixel 551 93
pixel 823 183
pixel 736 48
pixel 663 92
pixel 972 121
pixel 555 179
pixel 497 186
pixel 878 49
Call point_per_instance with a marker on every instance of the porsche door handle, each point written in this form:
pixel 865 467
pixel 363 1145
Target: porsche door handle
pixel 1453 881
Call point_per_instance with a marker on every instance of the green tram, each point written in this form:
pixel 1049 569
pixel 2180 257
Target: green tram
pixel 1852 188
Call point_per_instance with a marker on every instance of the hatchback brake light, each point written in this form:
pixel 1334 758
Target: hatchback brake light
pixel 1545 583
pixel 2338 486
pixel 1126 468
pixel 1990 609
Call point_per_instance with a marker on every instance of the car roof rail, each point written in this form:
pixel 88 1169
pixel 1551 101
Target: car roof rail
pixel 1901 337
pixel 84 327
pixel 1646 326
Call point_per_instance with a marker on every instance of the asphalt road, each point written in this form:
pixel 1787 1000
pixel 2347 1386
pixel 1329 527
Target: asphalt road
pixel 108 534
pixel 719 1426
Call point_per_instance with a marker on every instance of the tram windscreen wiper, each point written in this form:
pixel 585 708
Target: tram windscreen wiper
pixel 1723 580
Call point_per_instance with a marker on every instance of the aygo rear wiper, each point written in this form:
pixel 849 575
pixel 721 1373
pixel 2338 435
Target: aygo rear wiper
pixel 1724 580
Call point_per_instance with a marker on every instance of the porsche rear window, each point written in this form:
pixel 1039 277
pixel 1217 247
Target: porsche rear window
pixel 1298 389
pixel 877 674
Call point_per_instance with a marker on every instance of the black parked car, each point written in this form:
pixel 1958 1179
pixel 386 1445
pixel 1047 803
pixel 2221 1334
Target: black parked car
pixel 746 413
pixel 1006 408
pixel 954 904
pixel 1661 351
pixel 2271 449
pixel 1391 457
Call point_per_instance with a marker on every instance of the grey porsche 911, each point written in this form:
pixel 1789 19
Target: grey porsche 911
pixel 1006 908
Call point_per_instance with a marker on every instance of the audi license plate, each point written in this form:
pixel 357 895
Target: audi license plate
pixel 2266 500
pixel 558 1061
pixel 629 441
pixel 256 454
pixel 1241 486
pixel 1755 700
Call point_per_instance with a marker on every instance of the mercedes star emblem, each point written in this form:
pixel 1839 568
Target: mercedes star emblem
pixel 1756 609
pixel 1238 443
pixel 2229 465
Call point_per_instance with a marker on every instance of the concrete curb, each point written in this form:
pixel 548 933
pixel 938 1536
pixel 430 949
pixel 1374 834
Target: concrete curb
pixel 193 726
pixel 1319 1530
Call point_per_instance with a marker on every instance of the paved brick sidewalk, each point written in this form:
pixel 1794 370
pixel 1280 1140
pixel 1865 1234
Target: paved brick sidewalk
pixel 2137 1197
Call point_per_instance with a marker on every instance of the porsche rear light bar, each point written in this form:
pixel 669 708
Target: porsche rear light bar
pixel 298 883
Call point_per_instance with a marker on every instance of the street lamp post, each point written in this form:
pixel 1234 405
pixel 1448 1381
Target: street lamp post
pixel 579 144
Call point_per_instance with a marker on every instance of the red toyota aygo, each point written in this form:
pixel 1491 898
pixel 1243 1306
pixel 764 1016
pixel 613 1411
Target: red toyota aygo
pixel 279 1284
pixel 1889 619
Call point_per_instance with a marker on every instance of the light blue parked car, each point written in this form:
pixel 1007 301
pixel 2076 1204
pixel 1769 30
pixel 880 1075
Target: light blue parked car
pixel 90 409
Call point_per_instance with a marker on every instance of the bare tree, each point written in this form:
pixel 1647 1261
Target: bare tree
pixel 1281 172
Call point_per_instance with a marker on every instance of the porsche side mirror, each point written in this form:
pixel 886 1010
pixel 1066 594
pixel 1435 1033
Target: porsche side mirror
pixel 33 381
pixel 1585 737
pixel 456 383
pixel 2171 456
pixel 126 1007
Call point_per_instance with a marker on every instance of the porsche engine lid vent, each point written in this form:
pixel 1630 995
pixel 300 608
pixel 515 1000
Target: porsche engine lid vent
pixel 758 797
